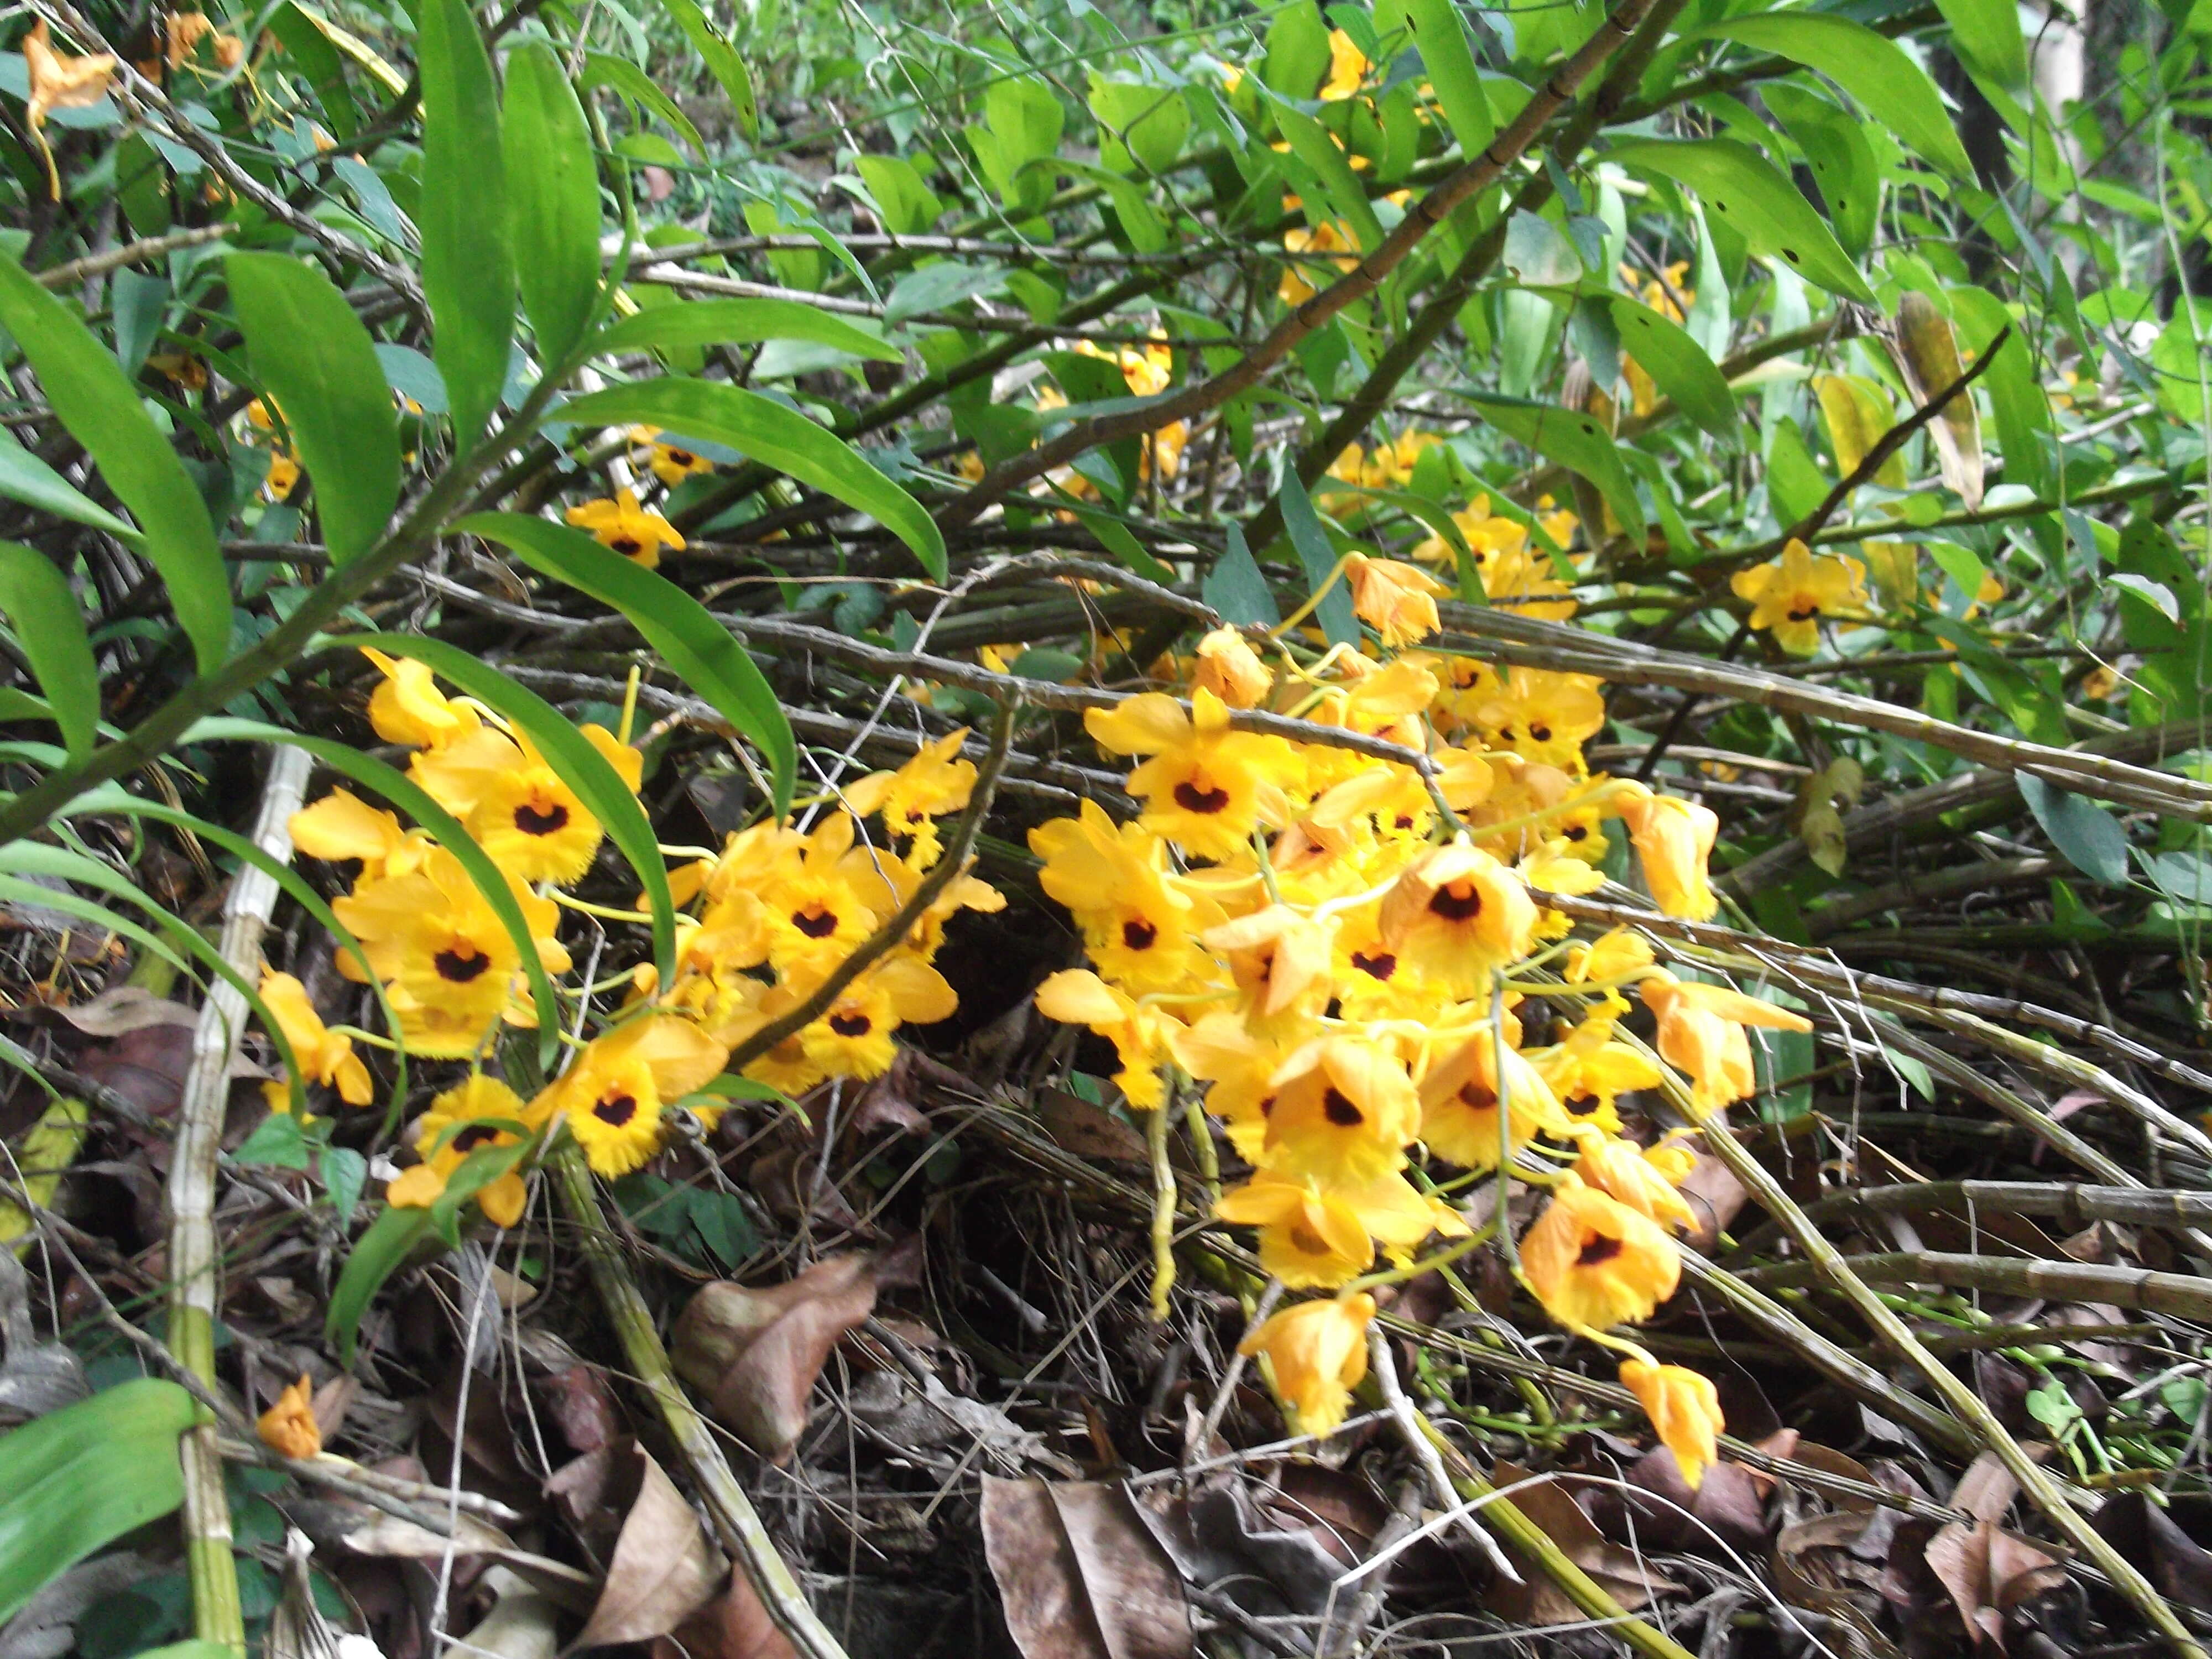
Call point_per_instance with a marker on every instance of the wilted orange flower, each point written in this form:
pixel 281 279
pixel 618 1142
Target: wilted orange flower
pixel 1398 600
pixel 1701 1035
pixel 1685 1409
pixel 60 82
pixel 1318 1351
pixel 288 1427
pixel 1228 667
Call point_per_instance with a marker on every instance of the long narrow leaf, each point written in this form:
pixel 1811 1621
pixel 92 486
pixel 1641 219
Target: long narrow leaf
pixel 468 257
pixel 677 625
pixel 87 390
pixel 316 358
pixel 81 1477
pixel 553 187
pixel 774 435
pixel 48 626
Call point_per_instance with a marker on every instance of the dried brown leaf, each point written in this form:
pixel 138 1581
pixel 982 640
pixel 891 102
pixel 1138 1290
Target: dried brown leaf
pixel 1986 1490
pixel 1536 1600
pixel 1076 1126
pixel 735 1625
pixel 1989 1572
pixel 664 1568
pixel 127 1008
pixel 1079 1575
pixel 756 1353
pixel 2147 1534
pixel 1926 352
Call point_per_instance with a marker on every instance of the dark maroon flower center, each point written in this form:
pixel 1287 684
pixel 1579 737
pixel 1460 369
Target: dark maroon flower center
pixel 1805 610
pixel 851 1025
pixel 459 967
pixel 1341 1110
pixel 533 821
pixel 1601 1247
pixel 614 1110
pixel 1381 965
pixel 628 546
pixel 1192 798
pixel 1457 901
pixel 473 1137
pixel 1139 935
pixel 815 923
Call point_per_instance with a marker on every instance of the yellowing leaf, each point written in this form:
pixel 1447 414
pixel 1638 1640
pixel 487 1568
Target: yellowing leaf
pixel 1858 413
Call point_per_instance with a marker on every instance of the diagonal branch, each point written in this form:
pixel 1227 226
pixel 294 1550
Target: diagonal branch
pixel 1357 284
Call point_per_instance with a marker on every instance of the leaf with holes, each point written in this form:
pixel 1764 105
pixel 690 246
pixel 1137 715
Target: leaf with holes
pixel 1741 188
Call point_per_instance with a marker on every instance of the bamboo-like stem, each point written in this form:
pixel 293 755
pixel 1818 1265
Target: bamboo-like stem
pixel 2184 1296
pixel 1503 634
pixel 130 253
pixel 2036 1483
pixel 1540 1547
pixel 195 1294
pixel 736 1523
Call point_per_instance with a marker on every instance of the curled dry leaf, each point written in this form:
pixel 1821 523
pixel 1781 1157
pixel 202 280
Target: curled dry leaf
pixel 664 1568
pixel 735 1625
pixel 2180 1565
pixel 1926 352
pixel 1080 1574
pixel 755 1353
pixel 1989 1572
pixel 1536 1600
pixel 127 1008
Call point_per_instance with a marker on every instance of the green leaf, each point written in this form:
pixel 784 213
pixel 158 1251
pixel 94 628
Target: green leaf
pixel 1841 162
pixel 89 392
pixel 380 1252
pixel 1986 35
pixel 1138 119
pixel 773 435
pixel 345 1177
pixel 1236 589
pixel 603 69
pixel 1317 556
pixel 1875 69
pixel 1298 50
pixel 277 1140
pixel 36 598
pixel 908 205
pixel 24 477
pixel 1449 61
pixel 553 189
pixel 316 359
pixel 1743 191
pixel 739 322
pixel 81 1477
pixel 1576 441
pixel 1678 366
pixel 570 754
pixel 686 635
pixel 468 257
pixel 722 63
pixel 2089 837
pixel 1311 144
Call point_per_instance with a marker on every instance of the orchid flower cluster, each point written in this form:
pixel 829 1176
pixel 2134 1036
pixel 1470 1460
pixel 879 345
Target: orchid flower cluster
pixel 769 919
pixel 1338 950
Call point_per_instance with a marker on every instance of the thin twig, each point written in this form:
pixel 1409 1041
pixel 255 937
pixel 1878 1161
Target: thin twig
pixel 894 931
